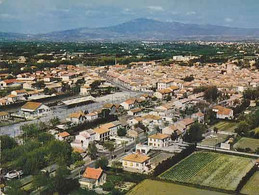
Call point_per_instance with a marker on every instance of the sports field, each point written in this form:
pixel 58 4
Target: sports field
pixel 210 169
pixel 152 187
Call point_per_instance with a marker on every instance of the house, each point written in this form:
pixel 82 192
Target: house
pixel 91 116
pixel 76 117
pixel 163 93
pixel 34 109
pixel 199 116
pixel 223 113
pixel 4 116
pixel 159 140
pixel 83 139
pixel 163 84
pixel 62 136
pixel 85 90
pixel 92 178
pixel 9 83
pixel 105 131
pixel 185 123
pixel 20 94
pixel 170 130
pixel 136 132
pixel 129 104
pixel 134 112
pixel 136 162
pixel 110 107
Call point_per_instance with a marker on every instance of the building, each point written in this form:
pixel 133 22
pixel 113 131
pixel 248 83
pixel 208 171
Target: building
pixel 92 178
pixel 159 140
pixel 199 116
pixel 91 116
pixel 129 104
pixel 33 109
pixel 136 132
pixel 83 139
pixel 223 113
pixel 163 84
pixel 105 131
pixel 76 117
pixel 4 116
pixel 136 162
pixel 62 136
pixel 85 90
pixel 163 93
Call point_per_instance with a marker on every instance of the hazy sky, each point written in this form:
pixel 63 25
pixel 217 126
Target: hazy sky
pixel 34 16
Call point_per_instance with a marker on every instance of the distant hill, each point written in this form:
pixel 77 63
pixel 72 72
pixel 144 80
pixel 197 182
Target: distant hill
pixel 144 29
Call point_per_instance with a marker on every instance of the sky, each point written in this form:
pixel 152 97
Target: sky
pixel 41 16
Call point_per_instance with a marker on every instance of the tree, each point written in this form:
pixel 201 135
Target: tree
pixel 188 78
pixel 194 134
pixel 92 150
pixel 116 165
pixel 94 85
pixel 168 98
pixel 54 121
pixel 60 183
pixel 40 180
pixel 39 85
pixel 242 128
pixel 102 162
pixel 109 146
pixel 211 93
pixel 7 142
pixel 14 188
pixel 121 131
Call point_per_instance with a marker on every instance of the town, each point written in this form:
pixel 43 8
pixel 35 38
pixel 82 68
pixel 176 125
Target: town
pixel 79 122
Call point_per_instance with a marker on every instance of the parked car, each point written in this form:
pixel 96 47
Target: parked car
pixel 13 174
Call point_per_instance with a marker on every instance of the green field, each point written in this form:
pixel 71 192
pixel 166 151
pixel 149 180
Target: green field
pixel 214 140
pixel 210 169
pixel 245 142
pixel 252 186
pixel 225 126
pixel 152 187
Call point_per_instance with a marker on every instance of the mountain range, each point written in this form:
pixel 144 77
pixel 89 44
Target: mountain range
pixel 142 29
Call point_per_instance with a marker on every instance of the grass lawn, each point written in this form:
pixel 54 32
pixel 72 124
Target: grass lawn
pixel 213 140
pixel 245 142
pixel 152 187
pixel 225 126
pixel 210 169
pixel 252 186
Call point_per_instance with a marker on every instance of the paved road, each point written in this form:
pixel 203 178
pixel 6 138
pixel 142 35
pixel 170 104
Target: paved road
pixel 62 112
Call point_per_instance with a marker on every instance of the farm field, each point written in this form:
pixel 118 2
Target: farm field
pixel 210 169
pixel 213 140
pixel 252 186
pixel 245 142
pixel 153 187
pixel 225 126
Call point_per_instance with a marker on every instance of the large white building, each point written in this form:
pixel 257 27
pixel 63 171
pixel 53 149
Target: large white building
pixel 135 162
pixel 159 140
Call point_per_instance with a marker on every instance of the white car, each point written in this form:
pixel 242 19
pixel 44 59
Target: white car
pixel 13 174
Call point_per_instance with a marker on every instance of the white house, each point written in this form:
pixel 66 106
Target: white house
pixel 129 104
pixel 91 116
pixel 105 131
pixel 159 140
pixel 223 113
pixel 33 109
pixel 4 116
pixel 76 117
pixel 136 162
pixel 163 84
pixel 83 139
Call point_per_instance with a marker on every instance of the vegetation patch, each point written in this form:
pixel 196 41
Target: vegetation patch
pixel 210 169
pixel 153 187
pixel 245 142
pixel 252 186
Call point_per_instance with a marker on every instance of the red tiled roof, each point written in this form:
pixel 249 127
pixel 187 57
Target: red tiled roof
pixel 92 173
